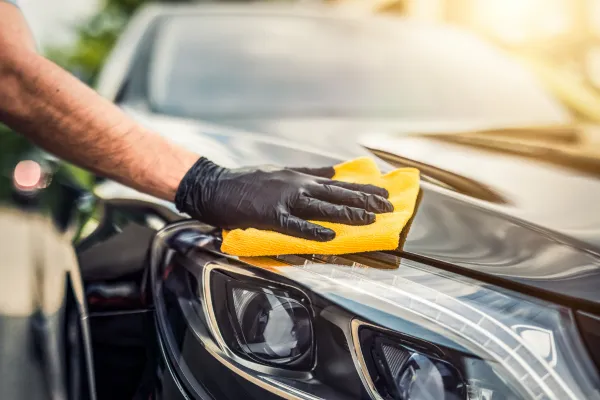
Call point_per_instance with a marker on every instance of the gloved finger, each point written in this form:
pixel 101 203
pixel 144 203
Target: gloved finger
pixel 313 209
pixel 351 198
pixel 294 226
pixel 357 187
pixel 324 172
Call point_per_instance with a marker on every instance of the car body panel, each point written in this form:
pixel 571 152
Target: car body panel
pixel 557 195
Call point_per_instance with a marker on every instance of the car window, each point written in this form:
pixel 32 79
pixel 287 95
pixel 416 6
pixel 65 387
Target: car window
pixel 248 66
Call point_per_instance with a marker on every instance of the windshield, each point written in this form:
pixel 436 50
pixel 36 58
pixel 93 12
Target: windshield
pixel 273 66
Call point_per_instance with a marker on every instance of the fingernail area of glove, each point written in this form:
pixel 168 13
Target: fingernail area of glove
pixel 326 235
pixel 384 193
pixel 370 218
pixel 382 205
pixel 389 207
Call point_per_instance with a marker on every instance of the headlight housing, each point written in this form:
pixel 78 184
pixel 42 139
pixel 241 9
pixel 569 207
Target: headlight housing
pixel 407 368
pixel 263 321
pixel 349 330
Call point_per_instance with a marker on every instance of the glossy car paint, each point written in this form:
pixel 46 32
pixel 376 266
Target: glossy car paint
pixel 528 183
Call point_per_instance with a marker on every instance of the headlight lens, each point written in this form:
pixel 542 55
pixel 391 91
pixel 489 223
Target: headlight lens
pixel 420 378
pixel 269 327
pixel 408 374
pixel 263 321
pixel 407 368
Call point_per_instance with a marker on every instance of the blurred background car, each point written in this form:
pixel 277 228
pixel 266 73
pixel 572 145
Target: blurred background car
pixel 319 75
pixel 558 39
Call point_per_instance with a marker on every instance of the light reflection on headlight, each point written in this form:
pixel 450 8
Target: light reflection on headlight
pixel 420 379
pixel 271 328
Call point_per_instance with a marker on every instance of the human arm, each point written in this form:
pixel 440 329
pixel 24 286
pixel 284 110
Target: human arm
pixel 65 117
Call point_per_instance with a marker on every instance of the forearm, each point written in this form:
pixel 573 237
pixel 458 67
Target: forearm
pixel 65 117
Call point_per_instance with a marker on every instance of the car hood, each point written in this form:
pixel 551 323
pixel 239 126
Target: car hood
pixel 509 183
pixel 450 229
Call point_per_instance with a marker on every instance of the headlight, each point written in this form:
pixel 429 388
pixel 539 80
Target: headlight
pixel 271 328
pixel 263 321
pixel 401 371
pixel 332 327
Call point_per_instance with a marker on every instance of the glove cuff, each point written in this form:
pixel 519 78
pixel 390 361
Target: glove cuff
pixel 188 198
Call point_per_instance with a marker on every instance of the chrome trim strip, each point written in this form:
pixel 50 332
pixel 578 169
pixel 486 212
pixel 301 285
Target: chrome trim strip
pixel 290 388
pixel 210 312
pixel 359 359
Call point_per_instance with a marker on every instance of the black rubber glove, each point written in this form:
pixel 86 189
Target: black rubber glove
pixel 277 199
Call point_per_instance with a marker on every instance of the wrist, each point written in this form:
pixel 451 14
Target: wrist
pixel 165 169
pixel 176 175
pixel 199 176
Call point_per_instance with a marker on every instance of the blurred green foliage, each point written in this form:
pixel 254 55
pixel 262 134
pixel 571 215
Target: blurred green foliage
pixel 12 146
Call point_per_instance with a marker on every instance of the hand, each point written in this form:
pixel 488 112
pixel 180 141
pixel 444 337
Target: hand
pixel 277 199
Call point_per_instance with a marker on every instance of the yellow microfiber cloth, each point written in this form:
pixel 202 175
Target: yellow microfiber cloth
pixel 403 187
